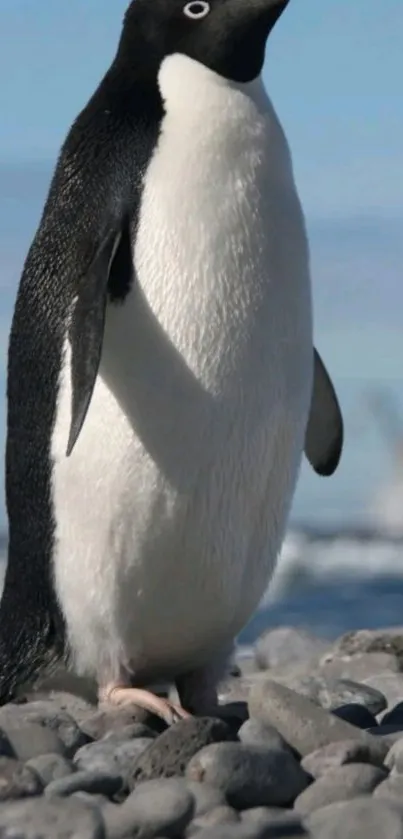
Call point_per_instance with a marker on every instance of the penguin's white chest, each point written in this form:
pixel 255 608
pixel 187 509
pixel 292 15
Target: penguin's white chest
pixel 171 511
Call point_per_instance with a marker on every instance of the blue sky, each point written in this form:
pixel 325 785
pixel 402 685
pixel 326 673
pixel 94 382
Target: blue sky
pixel 334 70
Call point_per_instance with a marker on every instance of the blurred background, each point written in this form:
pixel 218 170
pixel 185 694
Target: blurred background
pixel 334 71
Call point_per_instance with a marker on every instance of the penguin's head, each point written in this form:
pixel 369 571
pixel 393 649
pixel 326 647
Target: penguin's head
pixel 227 36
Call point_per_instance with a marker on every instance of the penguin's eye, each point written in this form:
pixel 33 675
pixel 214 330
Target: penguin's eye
pixel 196 10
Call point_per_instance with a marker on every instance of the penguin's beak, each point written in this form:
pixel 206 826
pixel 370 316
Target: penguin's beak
pixel 236 43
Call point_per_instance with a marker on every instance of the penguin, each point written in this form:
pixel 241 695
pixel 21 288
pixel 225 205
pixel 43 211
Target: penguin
pixel 163 384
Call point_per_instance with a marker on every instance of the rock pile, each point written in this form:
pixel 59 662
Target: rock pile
pixel 308 742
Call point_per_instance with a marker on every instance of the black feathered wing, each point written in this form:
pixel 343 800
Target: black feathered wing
pixel 324 433
pixel 86 332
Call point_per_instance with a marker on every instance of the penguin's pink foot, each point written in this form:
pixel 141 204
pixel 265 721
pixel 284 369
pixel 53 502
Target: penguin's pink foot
pixel 120 695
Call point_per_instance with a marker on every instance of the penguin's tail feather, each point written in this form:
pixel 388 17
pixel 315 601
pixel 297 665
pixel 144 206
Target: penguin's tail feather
pixel 28 651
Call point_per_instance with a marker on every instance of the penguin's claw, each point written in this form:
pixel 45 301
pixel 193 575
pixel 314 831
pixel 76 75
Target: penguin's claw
pixel 168 711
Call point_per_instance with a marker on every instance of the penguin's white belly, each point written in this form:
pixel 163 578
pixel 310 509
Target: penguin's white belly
pixel 171 510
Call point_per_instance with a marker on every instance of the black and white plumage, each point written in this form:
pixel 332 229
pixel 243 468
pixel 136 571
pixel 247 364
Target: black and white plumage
pixel 162 380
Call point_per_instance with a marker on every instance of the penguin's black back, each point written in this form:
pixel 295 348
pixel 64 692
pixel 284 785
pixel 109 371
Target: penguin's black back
pixel 96 188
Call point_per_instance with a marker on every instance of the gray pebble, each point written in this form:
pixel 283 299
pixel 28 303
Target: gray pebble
pixel 164 807
pixel 111 755
pixel 40 818
pixel 169 755
pixel 305 726
pixel 320 682
pixel 30 739
pixel 206 797
pixel 390 684
pixel 389 640
pixel 394 757
pixel 91 799
pixel 45 713
pixel 333 693
pixel 327 691
pixel 363 818
pixel 392 787
pixel 320 686
pixel 100 723
pixel 253 831
pixel 357 715
pixel 277 821
pixel 287 644
pixel 341 753
pixel 359 666
pixel 75 705
pixel 265 815
pixel 219 815
pixel 249 776
pixel 17 780
pixel 255 733
pixel 340 784
pixel 50 767
pixel 72 701
pixel 99 783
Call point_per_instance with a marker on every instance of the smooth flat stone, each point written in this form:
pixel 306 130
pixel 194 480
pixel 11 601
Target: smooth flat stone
pixel 334 693
pixel 304 725
pixel 92 782
pixel 164 807
pixel 362 818
pixel 359 666
pixel 286 645
pixel 255 733
pixel 17 780
pixel 45 713
pixel 253 831
pixel 40 818
pixel 341 753
pixel 206 797
pixel 320 682
pixel 390 684
pixel 391 787
pixel 249 776
pixel 50 767
pixel 218 816
pixel 30 739
pixel 116 720
pixel 111 755
pixel 394 757
pixel 275 820
pixel 388 640
pixel 340 784
pixel 267 815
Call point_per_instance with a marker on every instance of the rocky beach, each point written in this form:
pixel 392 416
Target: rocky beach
pixel 307 742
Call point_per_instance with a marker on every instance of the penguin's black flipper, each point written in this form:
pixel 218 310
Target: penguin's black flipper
pixel 324 433
pixel 109 274
pixel 86 332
